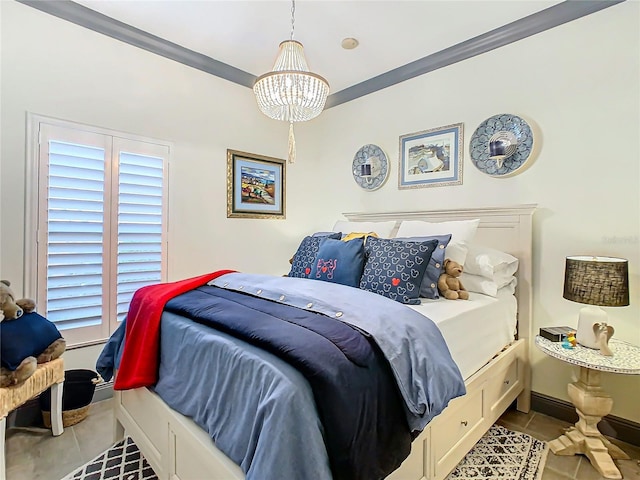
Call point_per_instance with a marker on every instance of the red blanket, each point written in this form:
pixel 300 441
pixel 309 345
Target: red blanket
pixel 140 357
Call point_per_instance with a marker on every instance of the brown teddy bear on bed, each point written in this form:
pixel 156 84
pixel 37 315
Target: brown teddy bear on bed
pixel 449 285
pixel 26 338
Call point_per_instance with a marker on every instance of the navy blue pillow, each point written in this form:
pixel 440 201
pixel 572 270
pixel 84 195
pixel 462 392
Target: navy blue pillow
pixel 306 254
pixel 429 286
pixel 339 262
pixel 29 335
pixel 394 268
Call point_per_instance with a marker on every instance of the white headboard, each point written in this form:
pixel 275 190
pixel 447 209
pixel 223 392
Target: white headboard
pixel 508 229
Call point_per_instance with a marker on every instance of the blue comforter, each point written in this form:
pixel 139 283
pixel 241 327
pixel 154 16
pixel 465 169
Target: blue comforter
pixel 258 409
pixel 426 375
pixel 366 433
pixel 413 348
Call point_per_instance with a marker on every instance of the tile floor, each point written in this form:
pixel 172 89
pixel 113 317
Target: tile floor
pixel 33 454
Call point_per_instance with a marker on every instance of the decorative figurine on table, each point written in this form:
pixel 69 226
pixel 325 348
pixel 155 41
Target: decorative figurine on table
pixel 569 340
pixel 603 333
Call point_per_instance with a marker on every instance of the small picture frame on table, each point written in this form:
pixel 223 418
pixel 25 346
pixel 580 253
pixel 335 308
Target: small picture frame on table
pixel 431 158
pixel 255 186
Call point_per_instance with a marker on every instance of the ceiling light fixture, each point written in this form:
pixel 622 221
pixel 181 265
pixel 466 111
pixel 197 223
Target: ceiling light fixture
pixel 290 92
pixel 349 43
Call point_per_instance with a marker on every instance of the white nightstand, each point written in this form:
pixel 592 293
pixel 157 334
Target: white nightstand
pixel 591 401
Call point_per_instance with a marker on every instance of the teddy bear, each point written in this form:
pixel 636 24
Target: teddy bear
pixel 449 285
pixel 26 338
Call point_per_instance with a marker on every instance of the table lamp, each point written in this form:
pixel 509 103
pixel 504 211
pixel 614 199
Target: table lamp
pixel 595 281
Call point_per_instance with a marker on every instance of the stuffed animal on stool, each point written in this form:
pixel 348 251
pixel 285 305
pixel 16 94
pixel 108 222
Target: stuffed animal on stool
pixel 26 338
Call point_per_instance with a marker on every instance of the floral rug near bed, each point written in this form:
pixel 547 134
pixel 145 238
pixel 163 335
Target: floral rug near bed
pixel 500 455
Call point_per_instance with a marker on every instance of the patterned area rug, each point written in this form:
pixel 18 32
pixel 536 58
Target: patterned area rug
pixel 500 455
pixel 503 455
pixel 123 461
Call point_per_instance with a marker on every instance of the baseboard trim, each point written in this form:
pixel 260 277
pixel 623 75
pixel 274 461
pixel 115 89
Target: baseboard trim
pixel 103 391
pixel 612 426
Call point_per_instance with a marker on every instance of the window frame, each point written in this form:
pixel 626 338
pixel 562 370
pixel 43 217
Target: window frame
pixel 35 207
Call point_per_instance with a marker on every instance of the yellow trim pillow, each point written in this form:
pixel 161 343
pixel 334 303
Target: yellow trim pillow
pixel 363 235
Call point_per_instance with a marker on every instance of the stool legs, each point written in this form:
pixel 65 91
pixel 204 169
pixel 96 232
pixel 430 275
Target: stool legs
pixel 3 425
pixel 56 409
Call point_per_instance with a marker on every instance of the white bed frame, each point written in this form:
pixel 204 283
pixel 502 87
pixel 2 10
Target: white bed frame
pixel 177 448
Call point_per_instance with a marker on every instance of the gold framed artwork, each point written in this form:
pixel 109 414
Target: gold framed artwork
pixel 255 186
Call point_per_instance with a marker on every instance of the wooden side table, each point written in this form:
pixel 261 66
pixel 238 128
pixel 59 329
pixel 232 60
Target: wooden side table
pixel 591 401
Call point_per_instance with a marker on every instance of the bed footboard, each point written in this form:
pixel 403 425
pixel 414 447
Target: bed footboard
pixel 175 447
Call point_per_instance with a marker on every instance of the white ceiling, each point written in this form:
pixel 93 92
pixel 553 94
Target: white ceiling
pixel 246 34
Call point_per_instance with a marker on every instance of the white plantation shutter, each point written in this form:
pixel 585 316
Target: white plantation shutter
pixel 75 226
pixel 101 226
pixel 140 225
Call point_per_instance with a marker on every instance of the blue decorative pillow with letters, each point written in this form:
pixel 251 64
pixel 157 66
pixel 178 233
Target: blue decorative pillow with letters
pixel 429 286
pixel 339 262
pixel 306 254
pixel 394 268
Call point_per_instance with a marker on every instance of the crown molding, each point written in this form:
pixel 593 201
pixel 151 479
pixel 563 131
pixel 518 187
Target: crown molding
pixel 551 17
pixel 85 17
pixel 546 19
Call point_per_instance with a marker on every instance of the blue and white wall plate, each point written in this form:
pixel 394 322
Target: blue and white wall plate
pixel 501 145
pixel 370 167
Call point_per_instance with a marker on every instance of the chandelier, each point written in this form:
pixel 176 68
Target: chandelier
pixel 290 92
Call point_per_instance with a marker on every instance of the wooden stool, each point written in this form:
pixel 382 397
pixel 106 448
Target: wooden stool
pixel 50 374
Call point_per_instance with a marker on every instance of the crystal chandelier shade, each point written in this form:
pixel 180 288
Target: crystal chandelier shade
pixel 290 92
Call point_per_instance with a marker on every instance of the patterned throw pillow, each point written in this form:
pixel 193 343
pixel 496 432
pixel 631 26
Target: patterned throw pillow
pixel 306 254
pixel 429 286
pixel 394 268
pixel 338 261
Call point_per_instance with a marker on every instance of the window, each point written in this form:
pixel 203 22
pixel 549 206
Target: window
pixel 99 216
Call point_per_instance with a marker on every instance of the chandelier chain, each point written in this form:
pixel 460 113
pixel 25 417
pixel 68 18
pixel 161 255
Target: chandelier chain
pixel 293 12
pixel 290 92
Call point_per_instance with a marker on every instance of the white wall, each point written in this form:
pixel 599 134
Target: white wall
pixel 52 67
pixel 577 84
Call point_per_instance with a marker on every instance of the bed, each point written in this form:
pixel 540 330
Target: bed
pixel 177 448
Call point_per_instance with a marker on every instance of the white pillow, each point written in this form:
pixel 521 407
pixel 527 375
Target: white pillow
pixel 382 229
pixel 479 284
pixel 490 263
pixel 462 232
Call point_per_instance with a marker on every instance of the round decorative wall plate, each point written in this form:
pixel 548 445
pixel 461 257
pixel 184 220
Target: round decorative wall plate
pixel 501 145
pixel 370 167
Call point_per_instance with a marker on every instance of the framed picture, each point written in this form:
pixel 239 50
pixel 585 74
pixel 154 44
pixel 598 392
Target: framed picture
pixel 431 158
pixel 255 186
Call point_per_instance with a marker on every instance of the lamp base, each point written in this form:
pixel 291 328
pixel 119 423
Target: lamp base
pixel 588 317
